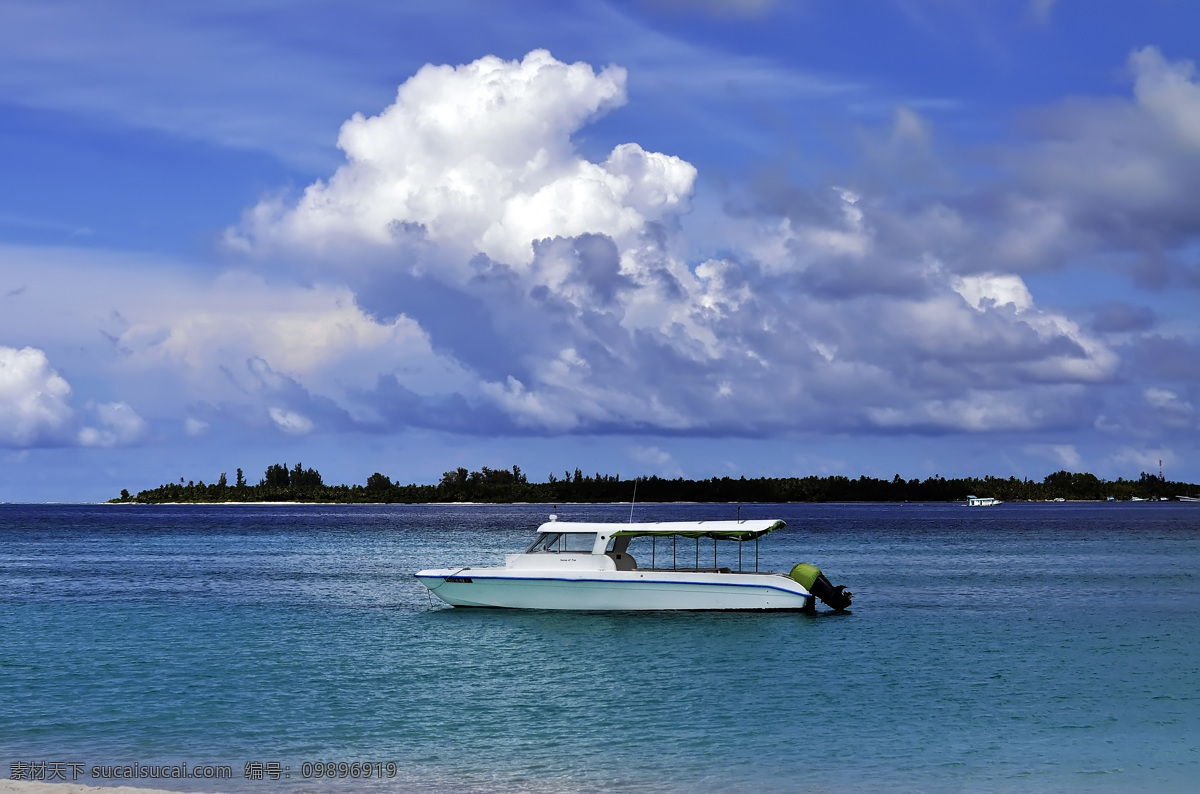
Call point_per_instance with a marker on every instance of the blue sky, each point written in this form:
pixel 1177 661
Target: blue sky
pixel 670 237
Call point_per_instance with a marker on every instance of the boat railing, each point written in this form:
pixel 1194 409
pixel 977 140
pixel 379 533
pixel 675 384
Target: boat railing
pixel 715 568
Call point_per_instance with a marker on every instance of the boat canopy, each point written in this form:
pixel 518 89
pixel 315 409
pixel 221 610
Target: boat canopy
pixel 717 530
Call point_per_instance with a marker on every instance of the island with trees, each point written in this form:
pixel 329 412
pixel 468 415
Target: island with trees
pixel 280 483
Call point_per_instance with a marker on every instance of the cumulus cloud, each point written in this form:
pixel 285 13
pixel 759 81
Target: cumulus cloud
pixel 303 332
pixel 1112 175
pixel 799 245
pixel 491 305
pixel 481 155
pixel 565 299
pixel 34 399
pixel 294 359
pixel 1103 180
pixel 220 351
pixel 36 410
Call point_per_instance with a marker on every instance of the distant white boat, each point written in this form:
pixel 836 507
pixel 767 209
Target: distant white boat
pixel 983 501
pixel 1188 498
pixel 1138 499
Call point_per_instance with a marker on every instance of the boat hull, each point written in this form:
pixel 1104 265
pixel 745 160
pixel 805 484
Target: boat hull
pixel 616 591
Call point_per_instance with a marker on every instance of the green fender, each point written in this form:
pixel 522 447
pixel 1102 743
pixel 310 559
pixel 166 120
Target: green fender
pixel 805 575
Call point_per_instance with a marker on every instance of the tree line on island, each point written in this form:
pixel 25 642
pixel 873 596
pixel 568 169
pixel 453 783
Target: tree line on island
pixel 298 484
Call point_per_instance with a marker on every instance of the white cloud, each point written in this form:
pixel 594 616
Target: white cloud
pixel 1169 92
pixel 1172 410
pixel 481 155
pixel 221 350
pixel 990 289
pixel 34 399
pixel 787 245
pixel 290 421
pixel 1147 460
pixel 195 427
pixel 240 344
pixel 846 313
pixel 35 408
pixel 977 412
pixel 651 455
pixel 841 309
pixel 1091 360
pixel 1065 455
pixel 657 460
pixel 531 409
pixel 1109 176
pixel 299 331
pixel 119 425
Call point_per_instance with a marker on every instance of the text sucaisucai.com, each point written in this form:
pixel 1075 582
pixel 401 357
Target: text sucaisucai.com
pixel 71 770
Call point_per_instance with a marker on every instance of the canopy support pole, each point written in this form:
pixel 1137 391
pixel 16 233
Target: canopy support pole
pixel 653 548
pixel 756 555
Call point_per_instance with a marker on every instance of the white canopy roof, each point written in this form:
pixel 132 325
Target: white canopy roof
pixel 722 530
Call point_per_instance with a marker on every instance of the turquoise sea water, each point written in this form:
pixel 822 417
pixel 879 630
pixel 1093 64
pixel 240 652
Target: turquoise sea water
pixel 1018 648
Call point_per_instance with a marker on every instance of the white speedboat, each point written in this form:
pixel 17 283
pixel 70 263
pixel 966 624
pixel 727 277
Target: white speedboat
pixel 587 566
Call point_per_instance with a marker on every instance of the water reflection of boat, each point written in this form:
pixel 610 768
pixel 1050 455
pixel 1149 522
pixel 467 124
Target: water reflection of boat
pixel 588 566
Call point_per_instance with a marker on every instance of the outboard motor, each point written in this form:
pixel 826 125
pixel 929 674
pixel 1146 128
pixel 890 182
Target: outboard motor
pixel 812 580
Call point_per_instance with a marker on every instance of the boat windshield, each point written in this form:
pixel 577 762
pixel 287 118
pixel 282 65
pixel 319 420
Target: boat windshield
pixel 556 542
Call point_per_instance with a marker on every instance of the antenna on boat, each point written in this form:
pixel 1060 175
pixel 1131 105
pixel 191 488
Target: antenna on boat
pixel 634 500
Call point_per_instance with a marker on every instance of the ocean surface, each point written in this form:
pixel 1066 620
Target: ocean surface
pixel 1027 647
